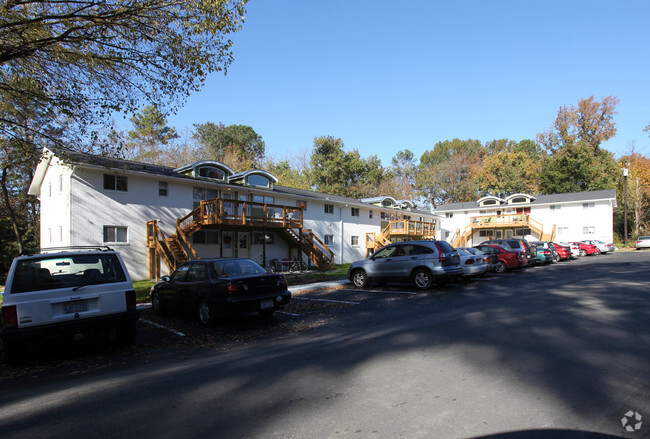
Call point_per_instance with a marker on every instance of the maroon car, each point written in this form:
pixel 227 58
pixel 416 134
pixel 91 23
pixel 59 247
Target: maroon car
pixel 508 258
pixel 586 249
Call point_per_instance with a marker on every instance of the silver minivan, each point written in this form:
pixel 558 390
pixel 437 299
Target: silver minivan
pixel 420 262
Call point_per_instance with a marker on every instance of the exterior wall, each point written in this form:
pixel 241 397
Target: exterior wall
pixel 55 207
pixel 573 220
pixel 76 209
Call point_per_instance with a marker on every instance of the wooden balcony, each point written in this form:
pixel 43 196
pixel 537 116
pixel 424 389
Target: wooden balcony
pixel 401 229
pixel 508 221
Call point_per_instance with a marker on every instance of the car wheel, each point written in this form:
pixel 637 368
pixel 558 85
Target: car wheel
pixel 360 279
pixel 126 333
pixel 501 267
pixel 583 252
pixel 556 258
pixel 156 305
pixel 15 353
pixel 597 251
pixel 207 315
pixel 422 279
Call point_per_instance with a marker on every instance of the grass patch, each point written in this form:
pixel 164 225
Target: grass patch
pixel 142 289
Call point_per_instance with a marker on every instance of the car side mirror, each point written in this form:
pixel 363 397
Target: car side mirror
pixel 165 279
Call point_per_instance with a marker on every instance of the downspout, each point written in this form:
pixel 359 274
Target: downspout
pixel 341 237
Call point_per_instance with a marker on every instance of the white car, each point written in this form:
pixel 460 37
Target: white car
pixel 65 294
pixel 601 246
pixel 642 242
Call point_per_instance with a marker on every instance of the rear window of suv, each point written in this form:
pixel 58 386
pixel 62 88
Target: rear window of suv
pixel 47 273
pixel 444 246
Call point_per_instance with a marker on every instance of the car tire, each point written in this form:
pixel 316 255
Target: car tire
pixel 583 252
pixel 422 279
pixel 359 279
pixel 207 314
pixel 501 267
pixel 126 333
pixel 15 353
pixel 556 258
pixel 597 251
pixel 156 305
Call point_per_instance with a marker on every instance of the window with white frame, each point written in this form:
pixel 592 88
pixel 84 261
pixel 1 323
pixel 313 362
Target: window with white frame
pixel 589 230
pixel 556 207
pixel 163 190
pixel 562 230
pixel 115 182
pixel 588 206
pixel 354 211
pixel 329 208
pixel 329 239
pixel 354 241
pixel 115 234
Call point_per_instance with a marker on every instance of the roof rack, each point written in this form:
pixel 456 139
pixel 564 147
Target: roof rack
pixel 28 252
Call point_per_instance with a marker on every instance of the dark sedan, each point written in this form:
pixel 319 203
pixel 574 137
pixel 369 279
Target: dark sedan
pixel 213 287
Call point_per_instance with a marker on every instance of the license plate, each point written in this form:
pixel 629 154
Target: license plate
pixel 266 304
pixel 77 306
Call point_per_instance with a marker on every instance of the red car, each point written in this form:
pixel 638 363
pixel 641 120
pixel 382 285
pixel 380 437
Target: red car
pixel 508 259
pixel 586 249
pixel 563 252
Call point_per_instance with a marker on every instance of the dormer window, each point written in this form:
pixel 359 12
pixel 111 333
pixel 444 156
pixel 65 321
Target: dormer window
pixel 212 173
pixel 387 203
pixel 489 202
pixel 519 200
pixel 258 180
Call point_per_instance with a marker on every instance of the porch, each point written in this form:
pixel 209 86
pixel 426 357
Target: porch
pixel 400 230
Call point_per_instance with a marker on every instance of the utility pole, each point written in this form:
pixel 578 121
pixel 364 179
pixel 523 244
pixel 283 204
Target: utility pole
pixel 625 205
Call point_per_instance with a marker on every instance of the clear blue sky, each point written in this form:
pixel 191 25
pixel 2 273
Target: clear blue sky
pixel 385 76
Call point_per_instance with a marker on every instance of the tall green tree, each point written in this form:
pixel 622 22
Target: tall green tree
pixel 87 59
pixel 447 172
pixel 576 160
pixel 239 146
pixel 150 137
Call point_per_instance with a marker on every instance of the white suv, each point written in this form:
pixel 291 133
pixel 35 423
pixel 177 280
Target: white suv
pixel 66 293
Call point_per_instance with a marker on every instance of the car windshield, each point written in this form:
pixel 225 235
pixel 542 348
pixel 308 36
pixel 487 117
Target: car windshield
pixel 47 273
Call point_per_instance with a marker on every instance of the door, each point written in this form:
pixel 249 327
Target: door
pixel 243 245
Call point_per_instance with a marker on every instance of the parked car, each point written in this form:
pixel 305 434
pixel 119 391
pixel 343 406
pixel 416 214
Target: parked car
pixel 214 287
pixel 491 260
pixel 517 245
pixel 473 265
pixel 508 258
pixel 586 249
pixel 575 248
pixel 547 249
pixel 65 293
pixel 563 251
pixel 642 242
pixel 420 262
pixel 601 246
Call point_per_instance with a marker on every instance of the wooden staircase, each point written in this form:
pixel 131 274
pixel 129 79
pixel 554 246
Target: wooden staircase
pixel 177 248
pixel 400 228
pixel 461 239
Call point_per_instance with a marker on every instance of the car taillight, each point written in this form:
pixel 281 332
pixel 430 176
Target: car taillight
pixel 235 288
pixel 469 261
pixel 130 299
pixel 9 317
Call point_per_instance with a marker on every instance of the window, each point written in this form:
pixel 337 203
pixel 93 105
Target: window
pixel 206 237
pixel 556 207
pixel 370 214
pixel 589 230
pixel 115 182
pixel 329 208
pixel 115 234
pixel 329 239
pixel 355 241
pixel 258 180
pixel 354 211
pixel 488 202
pixel 562 230
pixel 60 183
pixel 201 193
pixel 162 188
pixel 384 216
pixel 212 172
pixel 519 200
pixel 449 215
pixel 588 206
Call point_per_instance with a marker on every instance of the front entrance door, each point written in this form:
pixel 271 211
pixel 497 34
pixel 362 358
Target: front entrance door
pixel 243 245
